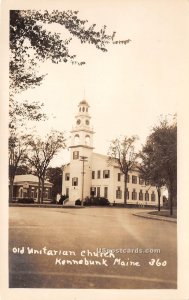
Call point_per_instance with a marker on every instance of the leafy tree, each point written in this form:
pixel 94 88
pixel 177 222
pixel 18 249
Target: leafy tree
pixel 160 158
pixel 19 113
pixel 41 153
pixel 31 42
pixel 122 152
pixel 18 142
pixel 17 155
pixel 23 169
pixel 54 175
pixel 150 173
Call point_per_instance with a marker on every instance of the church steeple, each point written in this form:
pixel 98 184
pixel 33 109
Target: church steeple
pixel 83 118
pixel 81 147
pixel 82 132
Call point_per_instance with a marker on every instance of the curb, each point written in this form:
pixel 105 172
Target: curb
pixel 155 217
pixel 44 205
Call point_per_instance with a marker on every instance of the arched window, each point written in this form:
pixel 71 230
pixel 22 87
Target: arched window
pixel 146 196
pixel 153 196
pixel 134 195
pixel 83 109
pixel 141 195
pixel 76 139
pixel 118 193
pixel 87 140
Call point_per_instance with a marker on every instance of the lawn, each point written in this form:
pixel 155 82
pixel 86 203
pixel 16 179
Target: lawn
pixel 165 213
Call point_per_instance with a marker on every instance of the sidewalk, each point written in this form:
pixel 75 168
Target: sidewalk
pixel 147 215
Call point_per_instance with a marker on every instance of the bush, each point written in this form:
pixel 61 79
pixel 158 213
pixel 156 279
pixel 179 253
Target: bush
pixel 100 201
pixel 25 200
pixel 53 201
pixel 78 202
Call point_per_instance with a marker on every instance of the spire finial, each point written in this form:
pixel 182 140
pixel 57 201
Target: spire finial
pixel 84 94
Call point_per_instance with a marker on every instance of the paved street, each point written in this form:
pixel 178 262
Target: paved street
pixel 67 240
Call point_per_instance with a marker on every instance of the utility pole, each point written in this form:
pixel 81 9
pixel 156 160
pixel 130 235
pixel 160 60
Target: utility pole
pixel 83 159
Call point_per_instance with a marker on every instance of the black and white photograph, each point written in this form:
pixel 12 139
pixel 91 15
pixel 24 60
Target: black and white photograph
pixel 93 97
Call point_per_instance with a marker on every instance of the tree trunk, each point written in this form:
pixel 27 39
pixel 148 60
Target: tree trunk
pixel 125 190
pixel 159 198
pixel 171 204
pixel 39 194
pixel 42 189
pixel 170 200
pixel 11 190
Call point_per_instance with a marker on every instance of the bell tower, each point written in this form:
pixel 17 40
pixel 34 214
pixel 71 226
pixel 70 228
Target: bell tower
pixel 81 147
pixel 82 132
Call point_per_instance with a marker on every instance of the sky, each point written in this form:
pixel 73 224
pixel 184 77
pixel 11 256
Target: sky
pixel 129 87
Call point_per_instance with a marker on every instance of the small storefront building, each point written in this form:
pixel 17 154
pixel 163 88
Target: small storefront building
pixel 26 186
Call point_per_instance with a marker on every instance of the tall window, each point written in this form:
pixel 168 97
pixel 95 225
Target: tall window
pixel 106 174
pixel 153 196
pixel 98 174
pixel 146 196
pixel 75 154
pixel 140 195
pixel 119 177
pixel 74 181
pixel 134 179
pixel 93 174
pixel 98 191
pixel 105 192
pixel 93 191
pixel 128 178
pixel 87 140
pixel 118 193
pixel 127 193
pixel 134 195
pixel 67 176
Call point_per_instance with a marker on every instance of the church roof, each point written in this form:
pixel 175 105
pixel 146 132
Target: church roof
pixel 28 178
pixel 84 102
pixel 100 155
pixel 113 163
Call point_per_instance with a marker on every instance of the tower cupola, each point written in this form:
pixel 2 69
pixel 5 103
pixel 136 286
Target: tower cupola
pixel 82 132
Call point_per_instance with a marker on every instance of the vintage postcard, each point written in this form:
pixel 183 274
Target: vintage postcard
pixel 92 95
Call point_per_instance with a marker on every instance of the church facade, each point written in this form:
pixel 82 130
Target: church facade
pixel 89 173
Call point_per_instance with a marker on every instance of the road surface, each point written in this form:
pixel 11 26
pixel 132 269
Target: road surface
pixel 59 248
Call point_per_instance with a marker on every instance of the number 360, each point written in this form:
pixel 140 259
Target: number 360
pixel 157 262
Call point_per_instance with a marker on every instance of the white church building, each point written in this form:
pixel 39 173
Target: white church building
pixel 89 174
